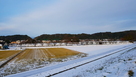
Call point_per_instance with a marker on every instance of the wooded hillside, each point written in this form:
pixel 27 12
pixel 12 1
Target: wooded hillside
pixel 124 35
pixel 15 37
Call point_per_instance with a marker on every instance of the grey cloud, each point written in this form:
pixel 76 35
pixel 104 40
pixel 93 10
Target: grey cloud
pixel 78 16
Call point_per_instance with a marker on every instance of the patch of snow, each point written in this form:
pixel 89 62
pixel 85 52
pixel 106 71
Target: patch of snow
pixel 95 49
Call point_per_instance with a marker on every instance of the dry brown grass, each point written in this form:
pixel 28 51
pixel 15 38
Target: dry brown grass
pixel 46 53
pixel 61 52
pixel 7 53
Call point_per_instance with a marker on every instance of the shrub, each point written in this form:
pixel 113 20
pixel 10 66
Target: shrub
pixel 129 59
pixel 101 68
pixel 130 73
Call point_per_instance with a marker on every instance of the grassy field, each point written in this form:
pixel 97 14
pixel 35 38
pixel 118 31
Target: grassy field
pixel 7 53
pixel 60 52
pixel 46 54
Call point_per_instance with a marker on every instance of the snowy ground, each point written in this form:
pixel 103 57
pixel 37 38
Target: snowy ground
pixel 94 51
pixel 117 65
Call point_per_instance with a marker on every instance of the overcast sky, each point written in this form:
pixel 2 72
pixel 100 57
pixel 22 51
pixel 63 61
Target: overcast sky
pixel 36 17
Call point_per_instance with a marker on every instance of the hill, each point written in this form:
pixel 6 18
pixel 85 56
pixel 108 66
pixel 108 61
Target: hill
pixel 124 35
pixel 14 37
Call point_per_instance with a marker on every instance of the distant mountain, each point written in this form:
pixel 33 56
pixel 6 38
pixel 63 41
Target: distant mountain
pixel 124 35
pixel 114 35
pixel 15 37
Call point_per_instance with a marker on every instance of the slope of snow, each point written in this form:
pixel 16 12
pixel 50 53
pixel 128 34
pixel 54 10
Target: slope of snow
pixel 116 65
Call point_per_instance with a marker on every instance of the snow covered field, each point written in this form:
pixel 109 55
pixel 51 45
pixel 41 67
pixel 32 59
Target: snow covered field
pixel 117 65
pixel 30 59
pixel 95 49
pixel 99 68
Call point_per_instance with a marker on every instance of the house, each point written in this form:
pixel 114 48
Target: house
pixel 5 46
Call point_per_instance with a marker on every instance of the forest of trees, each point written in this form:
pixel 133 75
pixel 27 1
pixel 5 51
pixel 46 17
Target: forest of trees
pixel 124 35
pixel 14 37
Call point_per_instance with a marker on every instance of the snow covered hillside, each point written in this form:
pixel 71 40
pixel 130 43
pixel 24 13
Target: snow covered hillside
pixel 121 64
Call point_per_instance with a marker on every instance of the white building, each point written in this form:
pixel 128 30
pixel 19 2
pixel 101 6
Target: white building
pixel 0 46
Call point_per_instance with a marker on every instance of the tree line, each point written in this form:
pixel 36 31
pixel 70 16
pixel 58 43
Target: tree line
pixel 124 35
pixel 11 38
